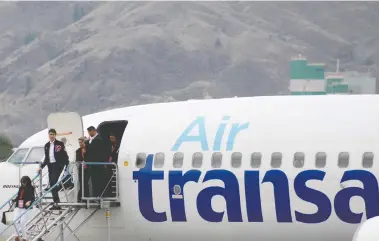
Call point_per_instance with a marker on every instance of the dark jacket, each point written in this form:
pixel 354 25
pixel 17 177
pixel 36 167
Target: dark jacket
pixel 28 196
pixel 60 154
pixel 79 157
pixel 98 150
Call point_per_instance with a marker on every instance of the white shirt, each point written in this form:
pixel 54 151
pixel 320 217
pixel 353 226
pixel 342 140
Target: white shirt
pixel 91 138
pixel 51 153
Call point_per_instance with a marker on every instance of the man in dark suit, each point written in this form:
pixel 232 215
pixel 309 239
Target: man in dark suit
pixel 97 151
pixel 55 159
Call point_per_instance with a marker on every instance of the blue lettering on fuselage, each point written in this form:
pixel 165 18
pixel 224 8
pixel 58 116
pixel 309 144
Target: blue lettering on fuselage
pixel 201 138
pixel 231 193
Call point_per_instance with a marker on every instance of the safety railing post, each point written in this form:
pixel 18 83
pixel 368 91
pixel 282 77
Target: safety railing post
pixel 40 182
pixel 117 182
pixel 61 233
pixel 106 186
pixel 108 215
pixel 82 182
pixel 19 172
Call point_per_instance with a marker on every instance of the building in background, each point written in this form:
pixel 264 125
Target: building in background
pixel 311 79
pixel 360 83
pixel 335 83
pixel 306 78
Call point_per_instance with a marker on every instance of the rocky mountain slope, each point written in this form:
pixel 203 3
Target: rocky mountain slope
pixel 91 56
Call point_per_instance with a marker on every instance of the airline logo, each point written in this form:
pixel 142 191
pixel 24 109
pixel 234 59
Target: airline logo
pixel 340 201
pixel 199 124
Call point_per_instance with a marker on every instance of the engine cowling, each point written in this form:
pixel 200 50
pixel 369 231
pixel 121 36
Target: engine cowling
pixel 368 230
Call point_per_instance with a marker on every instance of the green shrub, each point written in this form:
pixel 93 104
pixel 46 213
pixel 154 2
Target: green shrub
pixel 5 147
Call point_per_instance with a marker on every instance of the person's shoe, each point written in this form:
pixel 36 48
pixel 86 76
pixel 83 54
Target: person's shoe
pixel 55 207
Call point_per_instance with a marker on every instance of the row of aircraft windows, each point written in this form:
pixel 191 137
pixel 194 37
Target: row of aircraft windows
pixel 255 160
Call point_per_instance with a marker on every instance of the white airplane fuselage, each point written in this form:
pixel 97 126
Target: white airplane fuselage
pixel 259 168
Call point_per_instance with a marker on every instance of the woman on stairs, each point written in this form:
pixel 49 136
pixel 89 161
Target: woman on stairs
pixel 24 199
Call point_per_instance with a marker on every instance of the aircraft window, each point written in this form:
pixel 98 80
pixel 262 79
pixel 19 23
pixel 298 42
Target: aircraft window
pixel 18 156
pixel 159 160
pixel 178 159
pixel 276 159
pixel 141 160
pixel 298 159
pixel 197 160
pixel 216 159
pixel 236 159
pixel 35 155
pixel 343 160
pixel 256 159
pixel 320 159
pixel 368 159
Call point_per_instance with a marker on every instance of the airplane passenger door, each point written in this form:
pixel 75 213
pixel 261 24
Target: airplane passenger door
pixel 69 127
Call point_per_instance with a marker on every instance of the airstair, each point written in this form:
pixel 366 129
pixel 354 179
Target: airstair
pixel 47 222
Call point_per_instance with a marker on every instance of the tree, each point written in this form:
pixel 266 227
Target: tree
pixel 5 147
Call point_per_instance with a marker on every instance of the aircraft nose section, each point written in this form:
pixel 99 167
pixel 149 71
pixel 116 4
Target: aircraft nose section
pixel 9 181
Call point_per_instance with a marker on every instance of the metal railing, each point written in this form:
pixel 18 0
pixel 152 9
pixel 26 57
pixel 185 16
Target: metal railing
pixel 38 201
pixel 114 176
pixel 39 174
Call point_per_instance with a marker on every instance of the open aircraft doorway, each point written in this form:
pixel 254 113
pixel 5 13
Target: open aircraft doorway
pixel 116 127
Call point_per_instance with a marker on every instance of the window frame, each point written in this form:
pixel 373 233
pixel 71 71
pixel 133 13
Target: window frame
pixel 174 160
pixel 144 160
pixel 339 159
pixel 296 161
pixel 251 160
pixel 155 159
pixel 212 159
pixel 201 160
pixel 17 151
pixel 363 159
pixel 325 160
pixel 272 159
pixel 240 159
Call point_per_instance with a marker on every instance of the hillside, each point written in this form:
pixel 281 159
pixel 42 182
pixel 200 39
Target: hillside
pixel 91 56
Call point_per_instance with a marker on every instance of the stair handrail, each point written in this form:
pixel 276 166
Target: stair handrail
pixel 41 210
pixel 36 202
pixel 34 178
